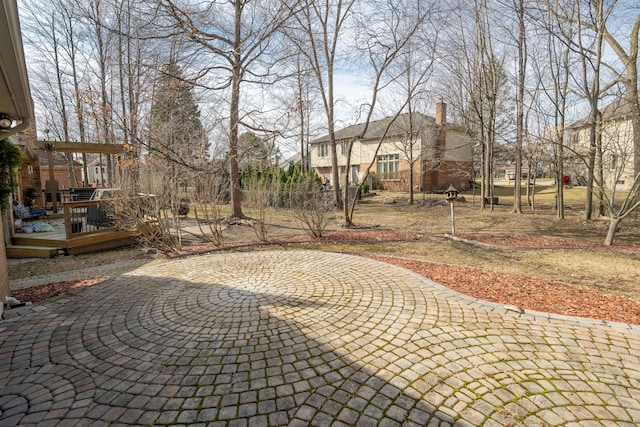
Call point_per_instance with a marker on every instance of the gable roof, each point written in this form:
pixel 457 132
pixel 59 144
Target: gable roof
pixel 376 128
pixel 618 110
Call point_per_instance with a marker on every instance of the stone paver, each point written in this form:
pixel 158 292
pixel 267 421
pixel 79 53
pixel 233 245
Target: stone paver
pixel 307 338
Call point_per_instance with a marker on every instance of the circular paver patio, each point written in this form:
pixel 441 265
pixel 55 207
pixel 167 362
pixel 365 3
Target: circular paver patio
pixel 306 338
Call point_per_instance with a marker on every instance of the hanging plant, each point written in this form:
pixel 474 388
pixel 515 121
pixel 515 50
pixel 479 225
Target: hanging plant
pixel 10 161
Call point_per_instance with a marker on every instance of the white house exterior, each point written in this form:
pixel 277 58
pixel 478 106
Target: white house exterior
pixel 441 152
pixel 617 147
pixel 97 173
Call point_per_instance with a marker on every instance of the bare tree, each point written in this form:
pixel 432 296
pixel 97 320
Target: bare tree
pixel 630 203
pixel 627 75
pixel 519 7
pixel 389 32
pixel 211 185
pixel 619 154
pixel 591 20
pixel 147 208
pixel 514 18
pixel 321 27
pixel 552 70
pixel 303 108
pixel 627 52
pixel 381 38
pixel 239 51
pixel 415 66
pixel 310 205
pixel 103 107
pixel 488 68
pixel 590 48
pixel 55 35
pixel 410 144
pixel 259 194
pixel 476 80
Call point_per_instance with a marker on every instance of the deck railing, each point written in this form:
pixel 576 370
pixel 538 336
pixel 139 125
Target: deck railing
pixel 97 216
pixel 89 217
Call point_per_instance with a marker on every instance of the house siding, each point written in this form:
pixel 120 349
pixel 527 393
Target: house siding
pixel 618 150
pixel 29 170
pixel 617 154
pixel 443 152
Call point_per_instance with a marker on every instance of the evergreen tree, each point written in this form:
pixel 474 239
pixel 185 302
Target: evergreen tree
pixel 253 151
pixel 176 134
pixel 10 160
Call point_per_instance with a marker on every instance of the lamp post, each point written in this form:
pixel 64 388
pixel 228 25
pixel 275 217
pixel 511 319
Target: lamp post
pixel 452 194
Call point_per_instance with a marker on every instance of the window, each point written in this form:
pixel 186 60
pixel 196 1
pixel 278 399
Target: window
pixel 323 150
pixel 614 162
pixel 389 166
pixel 355 173
pixel 344 147
pixel 97 170
pixel 576 138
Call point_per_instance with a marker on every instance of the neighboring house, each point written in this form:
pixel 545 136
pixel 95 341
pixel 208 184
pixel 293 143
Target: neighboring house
pixel 97 172
pixel 526 168
pixel 60 170
pixel 617 147
pixel 295 160
pixel 441 152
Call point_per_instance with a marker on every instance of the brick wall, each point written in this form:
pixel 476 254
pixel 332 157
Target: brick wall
pixel 29 170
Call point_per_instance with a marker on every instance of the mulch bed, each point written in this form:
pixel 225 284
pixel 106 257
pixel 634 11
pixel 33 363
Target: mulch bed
pixel 529 293
pixel 51 290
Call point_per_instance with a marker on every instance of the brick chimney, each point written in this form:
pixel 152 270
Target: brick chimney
pixel 441 112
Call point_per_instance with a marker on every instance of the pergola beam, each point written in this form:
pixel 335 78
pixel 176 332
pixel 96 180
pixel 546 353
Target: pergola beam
pixel 73 147
pixel 80 147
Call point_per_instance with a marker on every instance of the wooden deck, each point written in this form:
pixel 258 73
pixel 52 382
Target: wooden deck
pixel 72 234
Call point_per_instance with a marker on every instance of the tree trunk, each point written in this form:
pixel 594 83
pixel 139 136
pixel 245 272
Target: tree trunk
pixel 347 214
pixel 335 172
pixel 611 233
pixel 558 178
pixel 411 167
pixel 234 116
pixel 522 63
pixel 588 205
pixel 234 170
pixel 635 122
pixel 631 86
pixel 594 96
pixel 483 179
pixel 599 169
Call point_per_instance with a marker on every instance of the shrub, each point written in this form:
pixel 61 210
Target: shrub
pixel 10 161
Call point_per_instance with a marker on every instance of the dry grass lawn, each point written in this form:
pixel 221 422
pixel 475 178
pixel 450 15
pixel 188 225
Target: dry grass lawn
pixel 614 271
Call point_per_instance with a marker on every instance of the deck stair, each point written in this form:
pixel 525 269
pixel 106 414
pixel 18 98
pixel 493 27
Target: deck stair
pixel 27 251
pixel 72 233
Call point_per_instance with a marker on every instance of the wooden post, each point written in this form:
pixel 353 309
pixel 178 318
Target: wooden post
pixel 453 219
pixel 52 181
pixel 5 290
